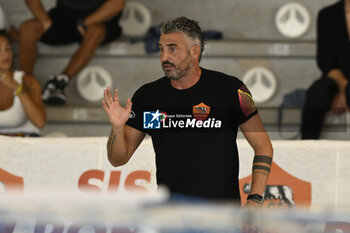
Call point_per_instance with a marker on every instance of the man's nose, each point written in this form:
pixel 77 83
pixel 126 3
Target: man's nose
pixel 164 56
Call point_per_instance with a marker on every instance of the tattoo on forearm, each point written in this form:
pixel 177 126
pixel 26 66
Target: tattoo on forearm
pixel 265 173
pixel 262 159
pixel 110 145
pixel 261 167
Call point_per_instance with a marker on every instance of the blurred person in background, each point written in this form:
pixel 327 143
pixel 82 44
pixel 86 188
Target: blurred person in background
pixel 89 22
pixel 5 25
pixel 22 111
pixel 332 90
pixel 192 115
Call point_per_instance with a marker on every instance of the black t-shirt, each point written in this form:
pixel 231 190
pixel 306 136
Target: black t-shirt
pixel 194 132
pixel 80 5
pixel 333 44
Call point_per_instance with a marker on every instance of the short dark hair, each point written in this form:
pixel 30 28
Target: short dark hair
pixel 5 34
pixel 189 27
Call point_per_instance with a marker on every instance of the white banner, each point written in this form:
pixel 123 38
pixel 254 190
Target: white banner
pixel 74 164
pixel 304 173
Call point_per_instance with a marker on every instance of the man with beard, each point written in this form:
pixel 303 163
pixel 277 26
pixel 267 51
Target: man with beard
pixel 192 115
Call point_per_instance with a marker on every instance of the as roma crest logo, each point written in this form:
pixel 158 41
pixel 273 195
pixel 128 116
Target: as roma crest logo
pixel 10 182
pixel 201 112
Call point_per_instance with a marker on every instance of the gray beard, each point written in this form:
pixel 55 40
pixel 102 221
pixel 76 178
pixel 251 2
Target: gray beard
pixel 173 78
pixel 178 75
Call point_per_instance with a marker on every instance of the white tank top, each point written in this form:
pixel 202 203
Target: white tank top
pixel 14 119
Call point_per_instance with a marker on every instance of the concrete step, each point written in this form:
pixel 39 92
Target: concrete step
pixel 76 121
pixel 269 116
pixel 129 73
pixel 292 64
pixel 213 48
pixel 237 19
pixel 251 39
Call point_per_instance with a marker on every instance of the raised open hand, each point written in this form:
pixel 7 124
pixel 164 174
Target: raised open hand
pixel 117 114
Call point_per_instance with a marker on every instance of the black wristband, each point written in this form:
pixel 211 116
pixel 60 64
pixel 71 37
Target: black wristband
pixel 256 197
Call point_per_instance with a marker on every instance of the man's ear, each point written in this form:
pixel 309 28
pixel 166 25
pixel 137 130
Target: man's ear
pixel 195 51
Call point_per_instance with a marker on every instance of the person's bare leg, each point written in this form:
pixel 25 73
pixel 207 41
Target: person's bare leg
pixel 30 33
pixel 94 35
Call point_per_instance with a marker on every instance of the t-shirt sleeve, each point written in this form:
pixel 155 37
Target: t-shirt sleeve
pixel 136 115
pixel 245 108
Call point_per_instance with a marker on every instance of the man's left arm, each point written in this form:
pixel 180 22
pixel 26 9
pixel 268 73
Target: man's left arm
pixel 259 140
pixel 107 11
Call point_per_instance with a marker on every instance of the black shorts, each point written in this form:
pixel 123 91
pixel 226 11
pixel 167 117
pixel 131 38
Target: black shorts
pixel 63 29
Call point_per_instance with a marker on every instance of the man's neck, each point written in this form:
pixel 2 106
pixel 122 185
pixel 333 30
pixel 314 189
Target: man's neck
pixel 347 6
pixel 187 81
